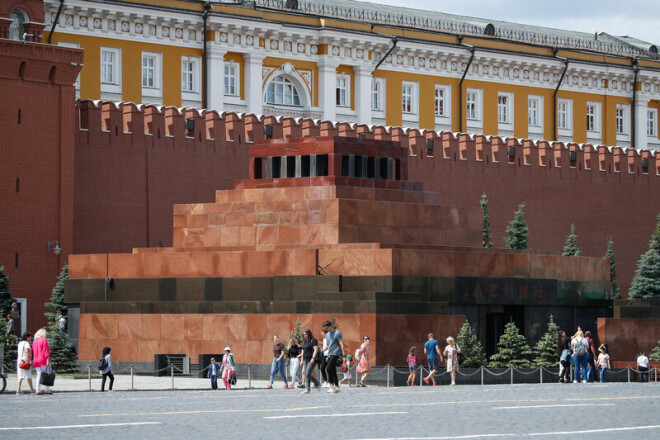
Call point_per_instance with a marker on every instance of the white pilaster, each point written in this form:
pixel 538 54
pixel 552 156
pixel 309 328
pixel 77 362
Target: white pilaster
pixel 641 109
pixel 254 83
pixel 363 94
pixel 215 79
pixel 328 89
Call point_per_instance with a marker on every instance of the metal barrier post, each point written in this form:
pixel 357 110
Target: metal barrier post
pixel 172 374
pixel 132 387
pixel 541 368
pixel 511 375
pixel 249 376
pixel 482 374
pixel 421 375
pixel 387 370
pixel 628 370
pixel 89 376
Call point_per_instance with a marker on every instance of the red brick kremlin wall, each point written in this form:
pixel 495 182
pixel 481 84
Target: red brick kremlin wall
pixel 133 163
pixel 37 135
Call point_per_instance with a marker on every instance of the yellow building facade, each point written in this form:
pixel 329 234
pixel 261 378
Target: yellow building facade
pixel 341 60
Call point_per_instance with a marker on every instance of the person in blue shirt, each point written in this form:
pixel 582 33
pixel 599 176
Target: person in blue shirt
pixel 434 357
pixel 213 373
pixel 335 350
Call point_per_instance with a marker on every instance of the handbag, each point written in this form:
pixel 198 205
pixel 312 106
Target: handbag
pixel 48 378
pixel 232 379
pixel 24 365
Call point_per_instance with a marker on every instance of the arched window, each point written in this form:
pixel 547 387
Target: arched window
pixel 282 91
pixel 16 29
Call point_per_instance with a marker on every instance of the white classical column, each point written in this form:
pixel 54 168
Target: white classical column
pixel 215 79
pixel 363 94
pixel 641 110
pixel 328 89
pixel 254 83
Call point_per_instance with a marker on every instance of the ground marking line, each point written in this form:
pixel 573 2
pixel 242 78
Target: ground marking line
pixel 336 415
pixel 535 434
pixel 103 425
pixel 201 411
pixel 568 405
pixel 591 431
pixel 616 398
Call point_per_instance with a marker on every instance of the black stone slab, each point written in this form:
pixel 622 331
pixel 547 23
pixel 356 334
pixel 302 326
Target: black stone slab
pixel 167 289
pixel 513 291
pixel 237 289
pixel 262 289
pixel 213 289
pixel 190 289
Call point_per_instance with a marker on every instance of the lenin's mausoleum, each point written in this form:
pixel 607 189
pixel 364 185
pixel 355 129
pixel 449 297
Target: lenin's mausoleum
pixel 187 230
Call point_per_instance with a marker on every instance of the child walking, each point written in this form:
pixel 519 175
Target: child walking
pixel 412 366
pixel 346 369
pixel 213 373
pixel 603 361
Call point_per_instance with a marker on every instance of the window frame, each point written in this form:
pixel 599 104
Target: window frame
pixel 17 26
pixel 652 123
pixel 236 76
pixel 566 130
pixel 345 88
pixel 156 90
pixel 194 95
pixel 535 127
pixel 412 98
pixel 595 133
pixel 153 57
pixel 380 94
pixel 508 123
pixel 115 85
pixel 443 121
pixel 474 117
pixel 295 93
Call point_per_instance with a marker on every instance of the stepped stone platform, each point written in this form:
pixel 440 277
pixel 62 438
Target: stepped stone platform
pixel 323 227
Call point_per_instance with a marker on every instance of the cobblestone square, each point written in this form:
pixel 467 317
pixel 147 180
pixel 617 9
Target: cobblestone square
pixel 602 411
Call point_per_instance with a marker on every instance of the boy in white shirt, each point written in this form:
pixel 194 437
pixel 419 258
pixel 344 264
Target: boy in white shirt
pixel 643 367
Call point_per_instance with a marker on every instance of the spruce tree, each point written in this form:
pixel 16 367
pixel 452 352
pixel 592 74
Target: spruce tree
pixel 5 294
pixel 655 354
pixel 646 282
pixel 546 348
pixel 517 232
pixel 10 344
pixel 63 353
pixel 571 248
pixel 471 349
pixel 486 237
pixel 610 256
pixel 296 334
pixel 512 350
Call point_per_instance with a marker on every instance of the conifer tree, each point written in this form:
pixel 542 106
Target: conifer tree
pixel 512 350
pixel 646 282
pixel 655 354
pixel 610 256
pixel 296 334
pixel 6 301
pixel 486 237
pixel 546 348
pixel 5 293
pixel 63 353
pixel 517 232
pixel 471 349
pixel 571 248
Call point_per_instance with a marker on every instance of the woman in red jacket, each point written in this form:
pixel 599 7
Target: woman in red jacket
pixel 41 359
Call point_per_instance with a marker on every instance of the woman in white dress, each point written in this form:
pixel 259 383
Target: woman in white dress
pixel 451 355
pixel 25 356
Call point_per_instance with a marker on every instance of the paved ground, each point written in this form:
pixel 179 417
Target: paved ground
pixel 584 411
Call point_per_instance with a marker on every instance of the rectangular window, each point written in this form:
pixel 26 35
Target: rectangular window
pixel 149 71
pixel 652 122
pixel 620 120
pixel 108 66
pixel 562 115
pixel 232 85
pixel 440 101
pixel 533 112
pixel 343 91
pixel 407 96
pixel 591 118
pixel 471 106
pixel 187 76
pixel 376 91
pixel 503 115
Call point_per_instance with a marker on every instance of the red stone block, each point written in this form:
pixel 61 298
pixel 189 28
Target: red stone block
pixel 236 327
pixel 214 327
pixel 150 326
pixel 256 264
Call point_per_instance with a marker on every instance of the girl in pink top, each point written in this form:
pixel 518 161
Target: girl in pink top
pixel 41 359
pixel 412 366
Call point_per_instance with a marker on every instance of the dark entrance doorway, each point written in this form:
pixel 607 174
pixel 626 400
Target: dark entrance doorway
pixel 496 318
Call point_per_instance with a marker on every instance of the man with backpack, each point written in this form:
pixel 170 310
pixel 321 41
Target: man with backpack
pixel 105 368
pixel 580 346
